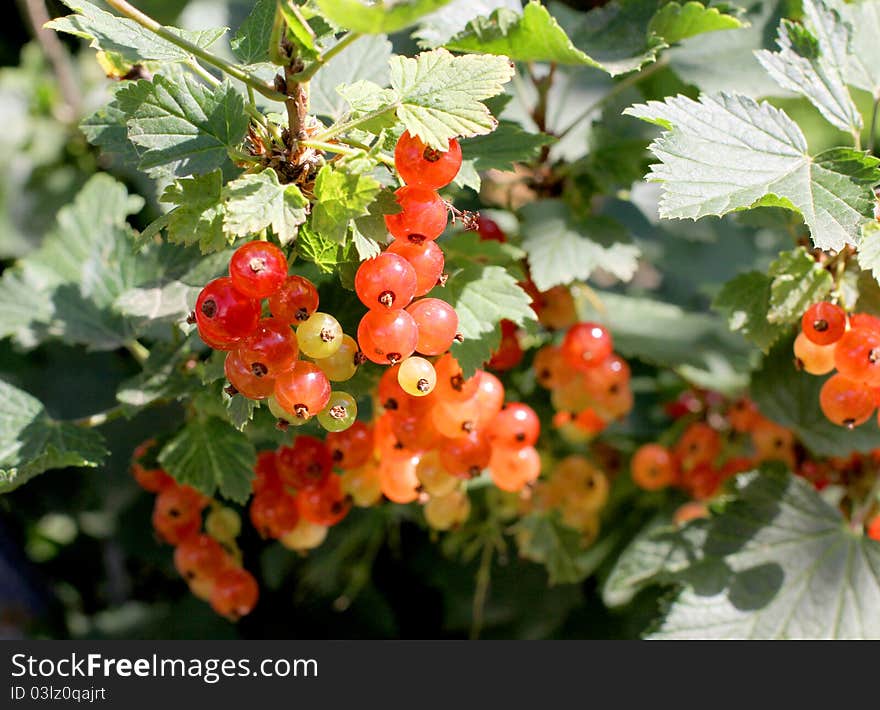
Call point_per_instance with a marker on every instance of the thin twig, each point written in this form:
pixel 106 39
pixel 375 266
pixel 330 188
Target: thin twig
pixel 232 70
pixel 872 135
pixel 57 56
pixel 101 418
pixel 481 593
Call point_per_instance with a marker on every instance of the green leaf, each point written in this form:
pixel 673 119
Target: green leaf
pixel 863 19
pixel 791 397
pixel 163 377
pixel 745 300
pixel 127 38
pixel 182 126
pixel 73 280
pixel 440 96
pixel 239 410
pixel 727 152
pixel 532 36
pixel 780 563
pixel 465 248
pixel 544 539
pixel 325 253
pixel 199 212
pixel 31 442
pixel 483 296
pixel 340 196
pixel 869 248
pixel 506 145
pixel 614 35
pixel 257 201
pixel 107 128
pixel 798 282
pixel 442 25
pixel 659 551
pixel 561 250
pixel 382 17
pixel 819 76
pixel 210 455
pixel 675 22
pixel 364 60
pixel 250 44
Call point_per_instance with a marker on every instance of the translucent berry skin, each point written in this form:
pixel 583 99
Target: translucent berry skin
pixel 386 281
pixel 551 371
pixel 266 476
pixel 258 269
pixel 306 464
pixel 421 166
pixel 295 300
pixel 513 468
pixel 416 433
pixel 812 358
pixel 824 323
pixel 489 230
pixel 153 480
pixel 586 345
pixel 466 456
pixel 320 336
pixel 455 419
pixel 398 480
pixel 303 390
pixel 437 324
pixel 177 514
pixel 653 467
pixel 326 504
pixel 422 218
pixel 340 413
pixel 242 376
pixel 864 320
pixel 857 355
pixel 342 365
pixel 200 556
pixel 224 313
pixel 271 350
pixel 846 402
pixel 235 593
pixel 426 259
pixel 515 425
pixel 699 444
pixel 451 384
pixel 417 376
pixel 362 485
pixel 305 536
pixel 447 512
pixel 489 398
pixel 387 337
pixel 273 515
pixel 351 448
pixel 509 353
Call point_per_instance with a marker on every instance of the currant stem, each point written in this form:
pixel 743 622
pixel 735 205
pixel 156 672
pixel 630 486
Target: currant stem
pixel 138 351
pixel 346 40
pixel 338 128
pixel 232 70
pixel 345 150
pixel 101 418
pixel 481 593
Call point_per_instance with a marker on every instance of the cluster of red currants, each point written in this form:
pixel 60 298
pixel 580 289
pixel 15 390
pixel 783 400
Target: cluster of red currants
pixel 297 496
pixel 830 339
pixel 212 569
pixel 265 357
pixel 578 489
pixel 723 441
pixel 395 327
pixel 589 383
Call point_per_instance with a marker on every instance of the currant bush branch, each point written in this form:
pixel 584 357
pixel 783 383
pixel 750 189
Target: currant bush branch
pixel 232 70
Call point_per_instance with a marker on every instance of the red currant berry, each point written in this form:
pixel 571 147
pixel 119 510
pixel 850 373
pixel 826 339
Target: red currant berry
pixel 437 324
pixel 422 218
pixel 515 425
pixel 271 350
pixel 251 380
pixel 303 390
pixel 387 281
pixel 422 166
pixel 235 593
pixel 653 467
pixel 586 345
pixel 266 476
pixel 846 402
pixel 452 386
pixel 466 456
pixel 200 557
pixel 513 468
pixel 326 504
pixel 351 448
pixel 864 320
pixel 857 355
pixel 274 514
pixel 489 230
pixel 489 398
pixel 258 269
pixel 177 513
pixel 824 323
pixel 224 313
pixel 699 444
pixel 509 353
pixel 427 260
pixel 305 464
pixel 154 480
pixel 387 337
pixel 295 300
